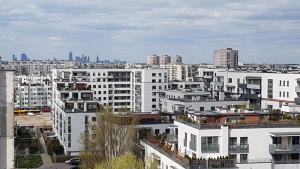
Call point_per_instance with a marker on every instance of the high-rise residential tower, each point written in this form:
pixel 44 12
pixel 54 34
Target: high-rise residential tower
pixel 226 58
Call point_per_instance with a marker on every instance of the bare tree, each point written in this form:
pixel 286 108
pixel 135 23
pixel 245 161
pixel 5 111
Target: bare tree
pixel 111 136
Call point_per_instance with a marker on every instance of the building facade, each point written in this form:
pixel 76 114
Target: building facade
pixel 6 119
pixel 227 58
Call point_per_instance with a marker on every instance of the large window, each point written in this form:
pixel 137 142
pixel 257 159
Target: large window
pixel 210 144
pixel 232 143
pixel 193 142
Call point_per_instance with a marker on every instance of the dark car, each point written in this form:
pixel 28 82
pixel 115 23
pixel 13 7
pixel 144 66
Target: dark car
pixel 73 161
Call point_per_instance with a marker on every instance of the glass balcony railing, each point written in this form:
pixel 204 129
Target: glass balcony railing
pixel 210 148
pixel 283 149
pixel 243 148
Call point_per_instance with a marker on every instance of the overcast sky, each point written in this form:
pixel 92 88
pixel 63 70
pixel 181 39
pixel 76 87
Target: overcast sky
pixel 263 31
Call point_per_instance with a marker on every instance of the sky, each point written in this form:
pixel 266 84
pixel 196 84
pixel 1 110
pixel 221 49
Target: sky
pixel 263 31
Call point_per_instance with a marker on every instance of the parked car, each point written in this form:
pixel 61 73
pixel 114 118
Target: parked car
pixel 73 161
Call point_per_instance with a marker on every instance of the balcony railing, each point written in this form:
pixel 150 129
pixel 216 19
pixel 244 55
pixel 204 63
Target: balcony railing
pixel 244 148
pixel 283 149
pixel 172 138
pixel 210 148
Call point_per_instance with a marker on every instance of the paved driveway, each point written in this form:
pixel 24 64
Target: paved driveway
pixel 55 166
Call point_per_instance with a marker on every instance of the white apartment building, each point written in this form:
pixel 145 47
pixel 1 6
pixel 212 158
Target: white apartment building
pixel 255 146
pixel 180 72
pixel 38 67
pixel 74 110
pixel 33 92
pixel 77 93
pixel 273 90
pixel 226 58
pixel 6 119
pixel 163 60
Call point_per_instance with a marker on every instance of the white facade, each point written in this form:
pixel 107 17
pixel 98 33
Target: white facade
pixel 260 146
pixel 6 120
pixel 273 89
pixel 180 72
pixel 34 92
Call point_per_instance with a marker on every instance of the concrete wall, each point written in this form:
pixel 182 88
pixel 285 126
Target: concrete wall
pixel 6 120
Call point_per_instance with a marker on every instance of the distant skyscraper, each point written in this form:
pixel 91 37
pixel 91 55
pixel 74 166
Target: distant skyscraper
pixel 165 59
pixel 98 60
pixel 153 60
pixel 177 59
pixel 70 56
pixel 14 57
pixel 227 58
pixel 24 57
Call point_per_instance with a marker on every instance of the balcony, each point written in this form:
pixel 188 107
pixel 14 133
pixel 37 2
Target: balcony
pixel 297 101
pixel 249 96
pixel 253 86
pixel 297 89
pixel 210 148
pixel 283 149
pixel 239 148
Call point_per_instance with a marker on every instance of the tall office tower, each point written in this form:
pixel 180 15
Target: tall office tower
pixel 165 59
pixel 70 56
pixel 14 57
pixel 6 119
pixel 153 60
pixel 226 58
pixel 177 59
pixel 24 57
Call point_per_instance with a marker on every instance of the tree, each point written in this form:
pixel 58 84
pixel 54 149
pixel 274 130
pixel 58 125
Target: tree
pixel 126 161
pixel 111 136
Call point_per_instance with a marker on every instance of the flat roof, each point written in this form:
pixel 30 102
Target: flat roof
pixel 280 134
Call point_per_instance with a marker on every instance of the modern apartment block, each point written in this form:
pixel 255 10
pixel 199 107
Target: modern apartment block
pixel 246 142
pixel 33 92
pixel 78 92
pixel 163 60
pixel 6 119
pixel 272 90
pixel 38 67
pixel 181 72
pixel 227 58
pixel 74 110
pixel 194 96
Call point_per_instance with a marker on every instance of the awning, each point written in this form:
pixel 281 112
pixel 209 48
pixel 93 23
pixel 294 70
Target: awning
pixel 284 134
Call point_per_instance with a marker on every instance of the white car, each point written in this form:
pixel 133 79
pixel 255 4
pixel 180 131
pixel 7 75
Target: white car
pixel 30 114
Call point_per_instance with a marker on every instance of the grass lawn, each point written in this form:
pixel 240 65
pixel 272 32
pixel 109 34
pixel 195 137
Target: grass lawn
pixel 32 161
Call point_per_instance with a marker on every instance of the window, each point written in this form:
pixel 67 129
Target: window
pixel 185 139
pixel 153 87
pixel 99 86
pixel 193 142
pixel 279 93
pixel 153 81
pixel 283 83
pixel 244 142
pixel 244 157
pixel 153 106
pixel 232 143
pixel 156 132
pixel 287 94
pixel 94 118
pixel 153 99
pixel 295 140
pixel 280 83
pixel 94 86
pixel 99 92
pixel 153 74
pixel 201 108
pixel 229 80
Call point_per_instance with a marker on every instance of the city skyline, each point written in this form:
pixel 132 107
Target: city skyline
pixel 130 30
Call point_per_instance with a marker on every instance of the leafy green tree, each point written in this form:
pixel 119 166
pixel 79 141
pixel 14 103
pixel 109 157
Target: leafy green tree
pixel 126 161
